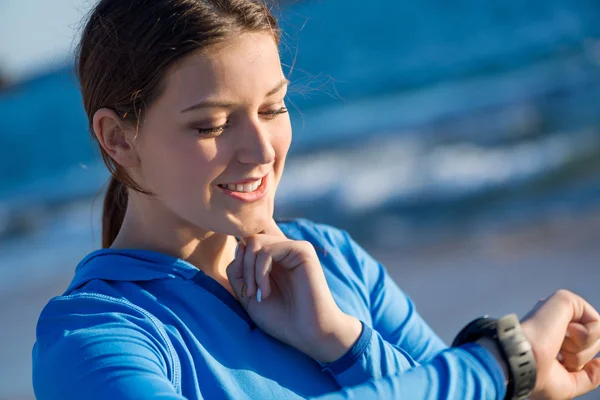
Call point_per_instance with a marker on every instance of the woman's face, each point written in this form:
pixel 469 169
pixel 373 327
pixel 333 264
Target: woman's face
pixel 221 120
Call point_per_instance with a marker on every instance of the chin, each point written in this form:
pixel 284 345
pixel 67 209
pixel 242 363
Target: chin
pixel 247 226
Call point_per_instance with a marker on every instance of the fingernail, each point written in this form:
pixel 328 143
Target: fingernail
pixel 568 334
pixel 258 295
pixel 559 357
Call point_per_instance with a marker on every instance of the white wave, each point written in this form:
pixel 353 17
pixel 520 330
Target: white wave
pixel 403 170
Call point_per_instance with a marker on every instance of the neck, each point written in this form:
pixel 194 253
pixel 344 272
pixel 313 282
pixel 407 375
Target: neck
pixel 210 252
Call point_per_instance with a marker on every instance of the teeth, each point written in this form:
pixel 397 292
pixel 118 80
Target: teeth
pixel 245 188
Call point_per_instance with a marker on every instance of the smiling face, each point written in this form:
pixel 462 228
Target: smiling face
pixel 220 120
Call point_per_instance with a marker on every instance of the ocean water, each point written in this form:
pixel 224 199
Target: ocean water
pixel 406 117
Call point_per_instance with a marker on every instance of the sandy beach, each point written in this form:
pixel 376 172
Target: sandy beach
pixel 452 280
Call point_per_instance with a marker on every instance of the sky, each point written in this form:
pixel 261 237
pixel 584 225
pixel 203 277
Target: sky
pixel 36 34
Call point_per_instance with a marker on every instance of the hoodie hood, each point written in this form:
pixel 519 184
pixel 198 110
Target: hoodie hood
pixel 130 265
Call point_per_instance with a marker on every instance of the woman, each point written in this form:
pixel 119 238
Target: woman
pixel 198 292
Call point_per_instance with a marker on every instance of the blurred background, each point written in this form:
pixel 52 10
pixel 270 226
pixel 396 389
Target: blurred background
pixel 458 142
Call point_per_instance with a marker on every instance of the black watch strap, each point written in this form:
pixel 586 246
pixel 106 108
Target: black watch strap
pixel 513 345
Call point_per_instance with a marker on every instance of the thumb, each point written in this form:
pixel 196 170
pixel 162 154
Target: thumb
pixel 588 378
pixel 235 274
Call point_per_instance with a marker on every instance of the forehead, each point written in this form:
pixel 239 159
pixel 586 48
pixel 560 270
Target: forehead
pixel 239 69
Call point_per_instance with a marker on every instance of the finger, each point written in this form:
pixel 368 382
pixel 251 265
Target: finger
pixel 562 308
pixel 588 378
pixel 579 337
pixel 575 338
pixel 249 265
pixel 266 236
pixel 588 315
pixel 291 254
pixel 576 361
pixel 264 265
pixel 235 274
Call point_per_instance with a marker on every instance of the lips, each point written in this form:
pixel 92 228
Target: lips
pixel 255 195
pixel 246 187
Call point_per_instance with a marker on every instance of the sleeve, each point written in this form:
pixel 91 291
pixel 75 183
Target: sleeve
pixel 399 338
pixel 111 351
pixel 393 313
pixel 468 372
pixel 399 341
pixel 371 357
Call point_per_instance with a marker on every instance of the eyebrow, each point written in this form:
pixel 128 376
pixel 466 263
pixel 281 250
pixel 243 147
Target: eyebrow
pixel 226 104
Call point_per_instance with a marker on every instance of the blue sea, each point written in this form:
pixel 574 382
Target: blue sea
pixel 418 117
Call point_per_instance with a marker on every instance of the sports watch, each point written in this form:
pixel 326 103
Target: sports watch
pixel 515 350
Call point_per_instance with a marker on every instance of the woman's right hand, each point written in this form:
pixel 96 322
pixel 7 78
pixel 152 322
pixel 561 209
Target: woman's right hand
pixel 564 323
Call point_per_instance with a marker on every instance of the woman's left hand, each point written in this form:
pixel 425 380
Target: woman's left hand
pixel 296 305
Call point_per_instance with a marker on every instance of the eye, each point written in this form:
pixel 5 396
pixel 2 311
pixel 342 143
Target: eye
pixel 213 131
pixel 274 113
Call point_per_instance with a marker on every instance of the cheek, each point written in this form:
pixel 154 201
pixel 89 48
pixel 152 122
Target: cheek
pixel 281 142
pixel 179 168
pixel 282 137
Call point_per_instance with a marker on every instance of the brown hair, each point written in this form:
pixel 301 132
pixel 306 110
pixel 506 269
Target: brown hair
pixel 126 48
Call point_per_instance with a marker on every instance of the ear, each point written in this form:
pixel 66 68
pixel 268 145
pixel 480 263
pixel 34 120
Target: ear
pixel 114 137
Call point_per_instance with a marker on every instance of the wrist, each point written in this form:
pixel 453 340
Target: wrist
pixel 529 332
pixel 515 351
pixel 337 341
pixel 494 350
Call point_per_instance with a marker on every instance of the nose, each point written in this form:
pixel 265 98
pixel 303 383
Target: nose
pixel 255 145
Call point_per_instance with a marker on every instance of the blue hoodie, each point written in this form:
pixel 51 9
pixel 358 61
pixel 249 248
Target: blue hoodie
pixel 137 324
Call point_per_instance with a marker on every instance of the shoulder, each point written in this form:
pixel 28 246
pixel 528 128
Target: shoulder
pixel 73 320
pixel 85 332
pixel 85 308
pixel 71 325
pixel 87 341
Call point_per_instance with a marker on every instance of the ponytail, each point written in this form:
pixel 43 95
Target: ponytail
pixel 113 213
